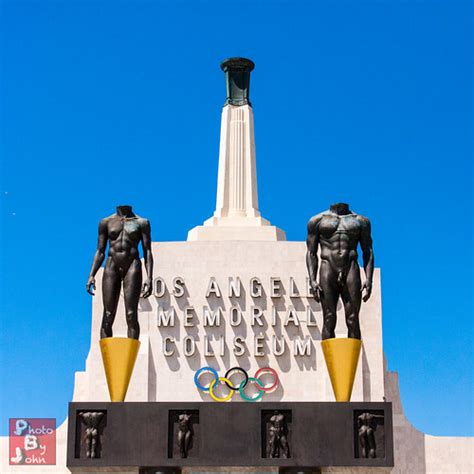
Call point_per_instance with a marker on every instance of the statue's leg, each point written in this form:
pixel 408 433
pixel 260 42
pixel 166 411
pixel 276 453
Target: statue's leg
pixel 93 445
pixel 328 282
pixel 187 442
pixel 352 297
pixel 110 295
pixel 181 443
pixel 363 442
pixel 371 442
pixel 284 447
pixel 271 445
pixel 132 286
pixel 88 444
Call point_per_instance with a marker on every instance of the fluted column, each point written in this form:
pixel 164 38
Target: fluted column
pixel 237 180
pixel 236 216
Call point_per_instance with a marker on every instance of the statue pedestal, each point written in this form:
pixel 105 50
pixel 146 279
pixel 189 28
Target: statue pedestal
pixel 118 355
pixel 341 356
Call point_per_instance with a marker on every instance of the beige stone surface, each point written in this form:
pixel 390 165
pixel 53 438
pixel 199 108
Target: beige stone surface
pixel 303 377
pixel 445 454
pixel 237 216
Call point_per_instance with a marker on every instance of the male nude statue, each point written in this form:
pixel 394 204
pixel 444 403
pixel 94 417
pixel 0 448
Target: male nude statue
pixel 338 231
pixel 92 421
pixel 184 434
pixel 277 445
pixel 367 427
pixel 124 231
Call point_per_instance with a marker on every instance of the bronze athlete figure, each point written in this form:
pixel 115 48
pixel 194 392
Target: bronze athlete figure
pixel 124 230
pixel 92 421
pixel 185 434
pixel 367 427
pixel 277 443
pixel 338 231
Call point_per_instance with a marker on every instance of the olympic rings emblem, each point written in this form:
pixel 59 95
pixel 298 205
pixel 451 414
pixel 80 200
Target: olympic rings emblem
pixel 262 389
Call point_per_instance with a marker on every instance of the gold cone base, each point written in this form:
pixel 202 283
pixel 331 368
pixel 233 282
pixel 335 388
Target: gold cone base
pixel 118 355
pixel 342 356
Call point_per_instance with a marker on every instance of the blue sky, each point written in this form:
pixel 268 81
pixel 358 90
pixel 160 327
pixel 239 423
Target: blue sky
pixel 109 102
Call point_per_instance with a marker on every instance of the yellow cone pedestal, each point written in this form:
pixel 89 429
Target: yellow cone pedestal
pixel 341 355
pixel 118 355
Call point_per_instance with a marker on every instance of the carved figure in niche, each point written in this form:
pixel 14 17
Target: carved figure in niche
pixel 367 427
pixel 92 421
pixel 277 440
pixel 185 434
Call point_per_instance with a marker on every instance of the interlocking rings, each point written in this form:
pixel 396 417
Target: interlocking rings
pixel 262 389
pixel 199 372
pixel 271 371
pixel 255 398
pixel 236 369
pixel 221 399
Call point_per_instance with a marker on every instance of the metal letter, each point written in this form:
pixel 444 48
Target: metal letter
pixel 275 288
pixel 178 287
pixel 235 316
pixel 255 287
pixel 213 288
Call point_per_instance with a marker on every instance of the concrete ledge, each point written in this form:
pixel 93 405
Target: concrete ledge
pixel 257 233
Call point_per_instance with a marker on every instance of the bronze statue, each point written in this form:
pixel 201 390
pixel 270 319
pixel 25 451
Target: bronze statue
pixel 124 231
pixel 277 441
pixel 184 434
pixel 367 427
pixel 338 231
pixel 92 421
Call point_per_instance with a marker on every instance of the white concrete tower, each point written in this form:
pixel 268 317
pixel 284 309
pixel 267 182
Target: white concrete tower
pixel 237 216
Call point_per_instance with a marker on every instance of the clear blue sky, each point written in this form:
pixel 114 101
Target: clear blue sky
pixel 109 102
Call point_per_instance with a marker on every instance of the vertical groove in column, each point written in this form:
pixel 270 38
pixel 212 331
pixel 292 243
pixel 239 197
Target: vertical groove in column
pixel 240 157
pixel 237 157
pixel 236 160
pixel 235 126
pixel 244 162
pixel 232 158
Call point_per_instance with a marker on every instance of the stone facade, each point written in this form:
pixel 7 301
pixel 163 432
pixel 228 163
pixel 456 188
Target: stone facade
pixel 197 264
pixel 303 377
